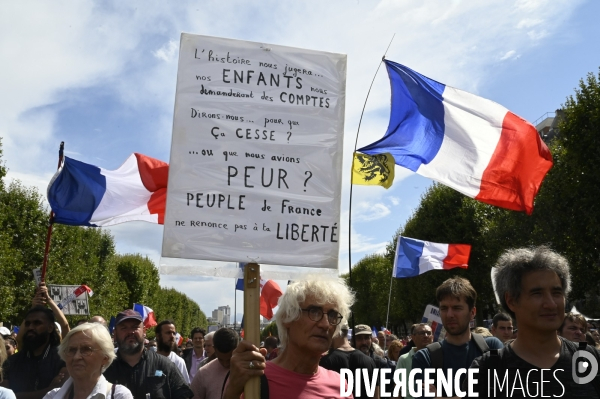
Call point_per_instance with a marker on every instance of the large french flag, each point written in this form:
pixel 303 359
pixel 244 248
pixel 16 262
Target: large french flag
pixel 414 257
pixel 147 315
pixel 466 142
pixel 86 195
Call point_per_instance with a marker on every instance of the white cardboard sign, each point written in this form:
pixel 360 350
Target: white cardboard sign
pixel 256 156
pixel 79 306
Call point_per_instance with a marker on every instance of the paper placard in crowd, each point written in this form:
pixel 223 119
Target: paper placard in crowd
pixel 79 306
pixel 432 317
pixel 256 155
pixel 37 276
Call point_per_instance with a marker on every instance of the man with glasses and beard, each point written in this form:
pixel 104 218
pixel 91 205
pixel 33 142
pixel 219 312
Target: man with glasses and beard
pixel 144 373
pixel 37 367
pixel 166 345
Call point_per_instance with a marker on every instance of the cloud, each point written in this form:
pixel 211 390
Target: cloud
pixel 167 52
pixel 365 211
pixel 509 55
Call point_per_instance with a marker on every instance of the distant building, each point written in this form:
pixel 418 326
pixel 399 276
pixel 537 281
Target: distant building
pixel 547 125
pixel 222 315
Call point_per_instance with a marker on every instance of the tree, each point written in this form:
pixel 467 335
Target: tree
pixel 269 330
pixel 568 209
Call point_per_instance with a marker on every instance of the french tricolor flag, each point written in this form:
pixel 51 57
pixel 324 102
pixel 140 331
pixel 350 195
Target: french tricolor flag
pixel 466 142
pixel 85 195
pixel 414 257
pixel 147 315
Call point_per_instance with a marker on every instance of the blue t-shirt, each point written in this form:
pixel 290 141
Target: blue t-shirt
pixel 455 358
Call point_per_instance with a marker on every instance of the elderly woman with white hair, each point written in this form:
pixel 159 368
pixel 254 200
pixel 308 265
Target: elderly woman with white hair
pixel 309 314
pixel 87 351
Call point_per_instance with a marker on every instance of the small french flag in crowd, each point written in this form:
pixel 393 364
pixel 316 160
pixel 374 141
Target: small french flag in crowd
pixel 147 315
pixel 81 194
pixel 178 339
pixel 469 143
pixel 414 257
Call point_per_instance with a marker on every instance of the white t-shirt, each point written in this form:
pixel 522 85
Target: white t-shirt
pixel 102 390
pixel 180 364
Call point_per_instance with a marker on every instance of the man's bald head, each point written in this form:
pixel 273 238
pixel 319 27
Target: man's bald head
pixel 99 320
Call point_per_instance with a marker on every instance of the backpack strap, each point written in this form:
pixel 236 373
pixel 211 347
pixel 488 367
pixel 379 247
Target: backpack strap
pixel 480 342
pixel 436 355
pixel 264 387
pixel 112 391
pixel 224 382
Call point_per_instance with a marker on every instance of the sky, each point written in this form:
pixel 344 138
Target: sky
pixel 101 77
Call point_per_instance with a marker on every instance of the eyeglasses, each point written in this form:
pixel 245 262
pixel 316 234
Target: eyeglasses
pixel 85 351
pixel 207 346
pixel 425 333
pixel 316 314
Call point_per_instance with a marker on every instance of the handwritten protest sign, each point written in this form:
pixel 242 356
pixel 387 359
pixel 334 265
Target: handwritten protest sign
pixel 256 156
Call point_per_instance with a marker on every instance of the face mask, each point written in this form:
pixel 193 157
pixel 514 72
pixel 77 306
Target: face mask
pixel 152 348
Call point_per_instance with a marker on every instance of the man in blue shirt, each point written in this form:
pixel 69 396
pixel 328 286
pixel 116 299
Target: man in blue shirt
pixel 456 297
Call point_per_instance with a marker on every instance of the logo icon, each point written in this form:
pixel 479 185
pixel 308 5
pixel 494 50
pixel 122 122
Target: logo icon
pixel 584 363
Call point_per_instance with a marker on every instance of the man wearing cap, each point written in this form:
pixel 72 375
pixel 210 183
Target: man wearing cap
pixel 363 342
pixel 344 356
pixel 145 373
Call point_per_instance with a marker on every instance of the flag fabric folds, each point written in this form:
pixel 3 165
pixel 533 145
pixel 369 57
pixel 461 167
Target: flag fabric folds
pixel 415 257
pixel 370 170
pixel 147 315
pixel 269 296
pixel 466 142
pixel 86 195
pixel 239 283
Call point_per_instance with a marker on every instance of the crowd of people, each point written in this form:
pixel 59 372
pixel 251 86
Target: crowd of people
pixel 315 344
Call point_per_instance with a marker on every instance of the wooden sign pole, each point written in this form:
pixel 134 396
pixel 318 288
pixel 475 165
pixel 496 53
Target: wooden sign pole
pixel 252 320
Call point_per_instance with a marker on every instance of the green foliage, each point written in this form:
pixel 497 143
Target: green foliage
pixel 269 330
pixel 140 275
pixel 78 255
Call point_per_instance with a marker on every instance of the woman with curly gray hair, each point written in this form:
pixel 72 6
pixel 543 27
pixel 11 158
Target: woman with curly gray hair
pixel 87 351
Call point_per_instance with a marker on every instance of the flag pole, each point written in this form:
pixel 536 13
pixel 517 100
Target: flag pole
pixel 235 304
pixel 252 320
pixel 387 318
pixel 350 201
pixel 51 218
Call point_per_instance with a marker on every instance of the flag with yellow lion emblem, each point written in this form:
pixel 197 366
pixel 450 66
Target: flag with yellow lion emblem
pixel 372 170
